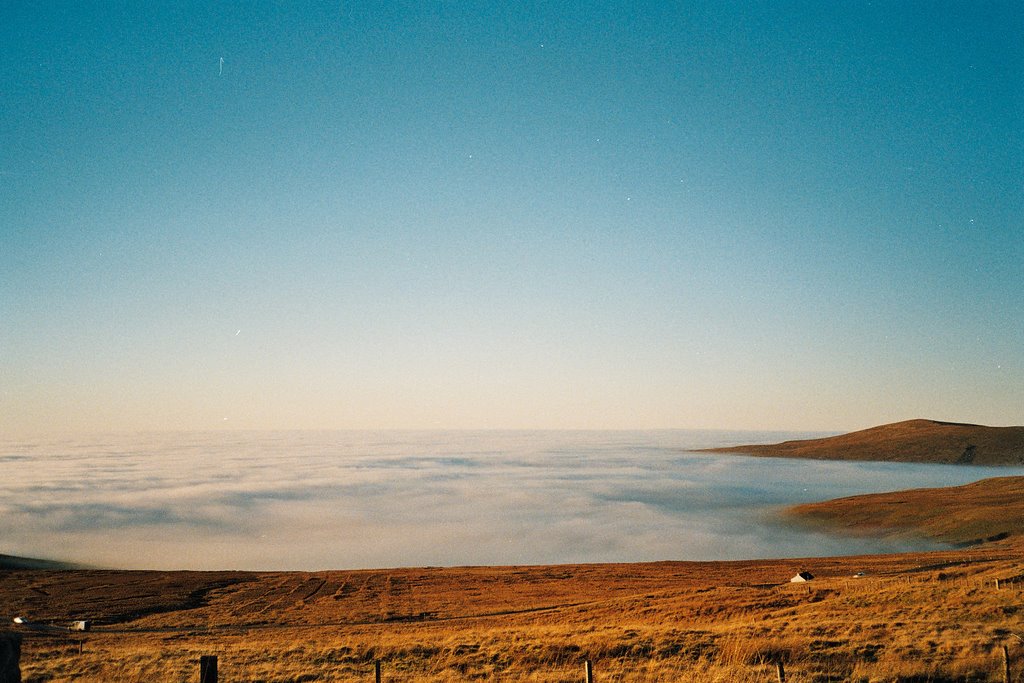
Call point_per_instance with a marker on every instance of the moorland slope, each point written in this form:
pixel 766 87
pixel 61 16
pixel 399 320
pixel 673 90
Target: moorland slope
pixel 14 562
pixel 920 441
pixel 990 509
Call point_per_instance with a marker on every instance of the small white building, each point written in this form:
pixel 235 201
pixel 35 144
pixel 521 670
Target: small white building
pixel 802 577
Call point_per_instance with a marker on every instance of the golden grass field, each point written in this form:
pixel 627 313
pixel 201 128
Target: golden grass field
pixel 910 617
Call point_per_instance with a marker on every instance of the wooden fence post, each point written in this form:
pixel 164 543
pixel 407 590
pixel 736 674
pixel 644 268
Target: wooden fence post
pixel 1006 664
pixel 376 670
pixel 589 668
pixel 208 669
pixel 10 657
pixel 780 671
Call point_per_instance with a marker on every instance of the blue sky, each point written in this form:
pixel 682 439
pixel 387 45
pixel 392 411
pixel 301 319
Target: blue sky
pixel 542 215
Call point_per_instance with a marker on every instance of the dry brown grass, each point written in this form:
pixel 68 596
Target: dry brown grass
pixel 912 617
pixel 985 510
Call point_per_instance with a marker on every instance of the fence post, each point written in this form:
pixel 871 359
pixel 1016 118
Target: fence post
pixel 208 669
pixel 589 668
pixel 376 670
pixel 10 657
pixel 1006 664
pixel 780 671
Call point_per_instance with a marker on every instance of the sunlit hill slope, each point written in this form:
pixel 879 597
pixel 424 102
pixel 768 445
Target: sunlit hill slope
pixel 924 441
pixel 991 509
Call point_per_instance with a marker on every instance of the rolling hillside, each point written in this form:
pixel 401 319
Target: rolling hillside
pixel 991 509
pixel 923 441
pixel 13 562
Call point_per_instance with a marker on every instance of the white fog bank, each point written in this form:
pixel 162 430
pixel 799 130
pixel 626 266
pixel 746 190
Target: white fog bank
pixel 339 500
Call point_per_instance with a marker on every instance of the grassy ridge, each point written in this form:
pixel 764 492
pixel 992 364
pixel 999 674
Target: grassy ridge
pixel 985 510
pixel 13 562
pixel 921 441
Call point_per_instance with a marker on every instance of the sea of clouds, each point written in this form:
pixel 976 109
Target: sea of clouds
pixel 323 500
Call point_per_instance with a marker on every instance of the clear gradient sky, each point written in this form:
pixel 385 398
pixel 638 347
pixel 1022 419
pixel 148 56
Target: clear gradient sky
pixel 784 215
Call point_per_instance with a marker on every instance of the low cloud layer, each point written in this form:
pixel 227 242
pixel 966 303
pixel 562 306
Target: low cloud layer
pixel 316 500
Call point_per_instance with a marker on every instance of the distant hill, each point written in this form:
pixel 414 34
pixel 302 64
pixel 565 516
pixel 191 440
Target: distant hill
pixel 924 441
pixel 12 562
pixel 987 510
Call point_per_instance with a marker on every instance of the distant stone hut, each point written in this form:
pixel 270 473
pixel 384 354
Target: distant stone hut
pixel 802 577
